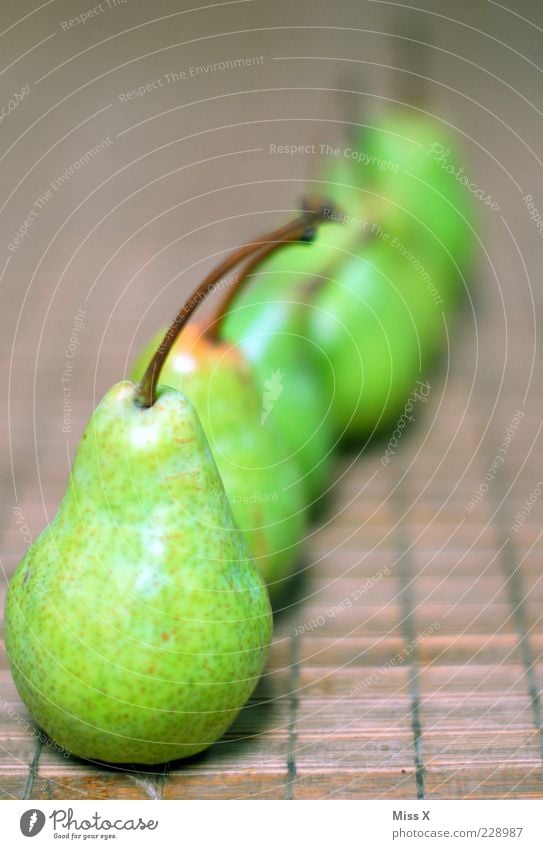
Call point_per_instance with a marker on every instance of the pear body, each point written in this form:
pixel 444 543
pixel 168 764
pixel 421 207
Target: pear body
pixel 271 327
pixel 137 624
pixel 374 321
pixel 262 477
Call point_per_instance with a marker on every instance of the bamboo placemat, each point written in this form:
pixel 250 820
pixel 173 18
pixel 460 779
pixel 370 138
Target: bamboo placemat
pixel 408 661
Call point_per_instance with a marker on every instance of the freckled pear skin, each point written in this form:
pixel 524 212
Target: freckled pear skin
pixel 138 625
pixel 261 477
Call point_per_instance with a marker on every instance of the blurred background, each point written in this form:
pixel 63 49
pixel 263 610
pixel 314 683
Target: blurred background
pixel 137 145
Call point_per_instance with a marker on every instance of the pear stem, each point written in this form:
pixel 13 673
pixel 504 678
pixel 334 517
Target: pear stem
pixel 298 228
pixel 306 290
pixel 303 233
pixel 212 332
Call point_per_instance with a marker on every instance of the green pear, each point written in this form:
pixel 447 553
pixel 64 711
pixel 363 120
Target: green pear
pixel 387 291
pixel 137 625
pixel 384 317
pixel 367 322
pixel 416 173
pixel 272 330
pixel 261 475
pixel 372 323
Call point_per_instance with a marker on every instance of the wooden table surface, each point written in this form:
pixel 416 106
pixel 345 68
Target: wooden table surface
pixel 407 662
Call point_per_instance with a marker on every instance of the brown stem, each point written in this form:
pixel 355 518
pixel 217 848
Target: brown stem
pixel 305 291
pixel 305 233
pixel 299 228
pixel 212 332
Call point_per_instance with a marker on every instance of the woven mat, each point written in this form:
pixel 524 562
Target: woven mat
pixel 407 661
